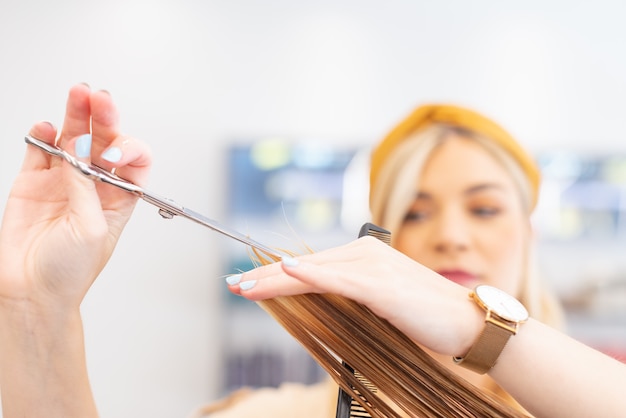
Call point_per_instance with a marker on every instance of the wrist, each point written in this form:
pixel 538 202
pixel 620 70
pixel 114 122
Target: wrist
pixel 503 316
pixel 42 361
pixel 30 317
pixel 472 326
pixel 38 305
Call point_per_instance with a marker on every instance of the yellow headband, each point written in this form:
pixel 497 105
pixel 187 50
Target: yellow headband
pixel 425 116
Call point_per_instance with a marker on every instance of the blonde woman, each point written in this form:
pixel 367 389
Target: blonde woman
pixel 457 193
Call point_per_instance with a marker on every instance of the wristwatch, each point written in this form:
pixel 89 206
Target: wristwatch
pixel 504 315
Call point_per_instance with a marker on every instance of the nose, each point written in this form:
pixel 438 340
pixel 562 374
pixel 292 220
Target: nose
pixel 451 232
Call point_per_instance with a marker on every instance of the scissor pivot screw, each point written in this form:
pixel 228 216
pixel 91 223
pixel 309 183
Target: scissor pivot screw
pixel 166 214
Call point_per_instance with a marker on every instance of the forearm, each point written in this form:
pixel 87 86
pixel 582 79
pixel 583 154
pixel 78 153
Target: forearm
pixel 552 375
pixel 42 365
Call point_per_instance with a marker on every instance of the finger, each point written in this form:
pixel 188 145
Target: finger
pixel 77 114
pixel 297 277
pixel 324 279
pixel 259 273
pixel 355 250
pixel 271 287
pixel 80 148
pixel 130 157
pixel 35 158
pixel 104 121
pixel 345 280
pixel 81 190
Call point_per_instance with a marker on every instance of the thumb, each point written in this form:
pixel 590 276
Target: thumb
pixel 83 199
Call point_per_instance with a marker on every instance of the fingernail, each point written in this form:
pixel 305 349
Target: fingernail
pixel 113 154
pixel 234 279
pixel 289 261
pixel 247 285
pixel 83 146
pixel 49 123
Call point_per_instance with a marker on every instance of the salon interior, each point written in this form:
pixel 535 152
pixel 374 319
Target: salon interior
pixel 261 114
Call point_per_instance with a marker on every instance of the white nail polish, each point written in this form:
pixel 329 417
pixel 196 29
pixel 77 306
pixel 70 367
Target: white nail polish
pixel 112 155
pixel 234 279
pixel 247 285
pixel 83 146
pixel 289 261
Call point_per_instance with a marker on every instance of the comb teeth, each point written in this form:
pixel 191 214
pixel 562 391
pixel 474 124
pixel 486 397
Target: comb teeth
pixel 376 232
pixel 365 382
pixel 384 237
pixel 355 410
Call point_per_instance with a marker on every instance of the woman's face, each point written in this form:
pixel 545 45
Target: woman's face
pixel 466 221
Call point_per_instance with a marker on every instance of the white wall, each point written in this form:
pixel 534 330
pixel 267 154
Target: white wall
pixel 191 75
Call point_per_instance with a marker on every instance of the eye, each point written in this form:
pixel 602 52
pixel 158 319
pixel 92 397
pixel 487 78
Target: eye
pixel 485 211
pixel 415 216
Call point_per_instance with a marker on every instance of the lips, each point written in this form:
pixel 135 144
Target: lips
pixel 459 276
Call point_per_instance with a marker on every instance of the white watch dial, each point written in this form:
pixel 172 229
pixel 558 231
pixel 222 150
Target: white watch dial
pixel 501 303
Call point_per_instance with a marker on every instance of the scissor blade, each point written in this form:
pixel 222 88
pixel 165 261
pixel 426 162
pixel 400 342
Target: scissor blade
pixel 216 226
pixel 167 207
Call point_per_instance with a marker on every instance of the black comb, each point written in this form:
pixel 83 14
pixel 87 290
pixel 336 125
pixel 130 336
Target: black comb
pixel 347 407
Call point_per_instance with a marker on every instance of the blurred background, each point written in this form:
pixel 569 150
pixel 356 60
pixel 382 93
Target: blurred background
pixel 259 113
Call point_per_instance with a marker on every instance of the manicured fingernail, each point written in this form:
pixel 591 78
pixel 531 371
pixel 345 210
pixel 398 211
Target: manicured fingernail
pixel 247 285
pixel 289 261
pixel 113 154
pixel 83 146
pixel 234 279
pixel 49 123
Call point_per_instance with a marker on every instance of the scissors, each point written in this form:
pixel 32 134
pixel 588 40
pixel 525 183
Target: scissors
pixel 167 207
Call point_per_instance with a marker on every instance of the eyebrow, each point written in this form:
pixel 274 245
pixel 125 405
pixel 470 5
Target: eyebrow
pixel 468 192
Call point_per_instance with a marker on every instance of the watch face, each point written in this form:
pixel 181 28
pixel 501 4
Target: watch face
pixel 501 303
